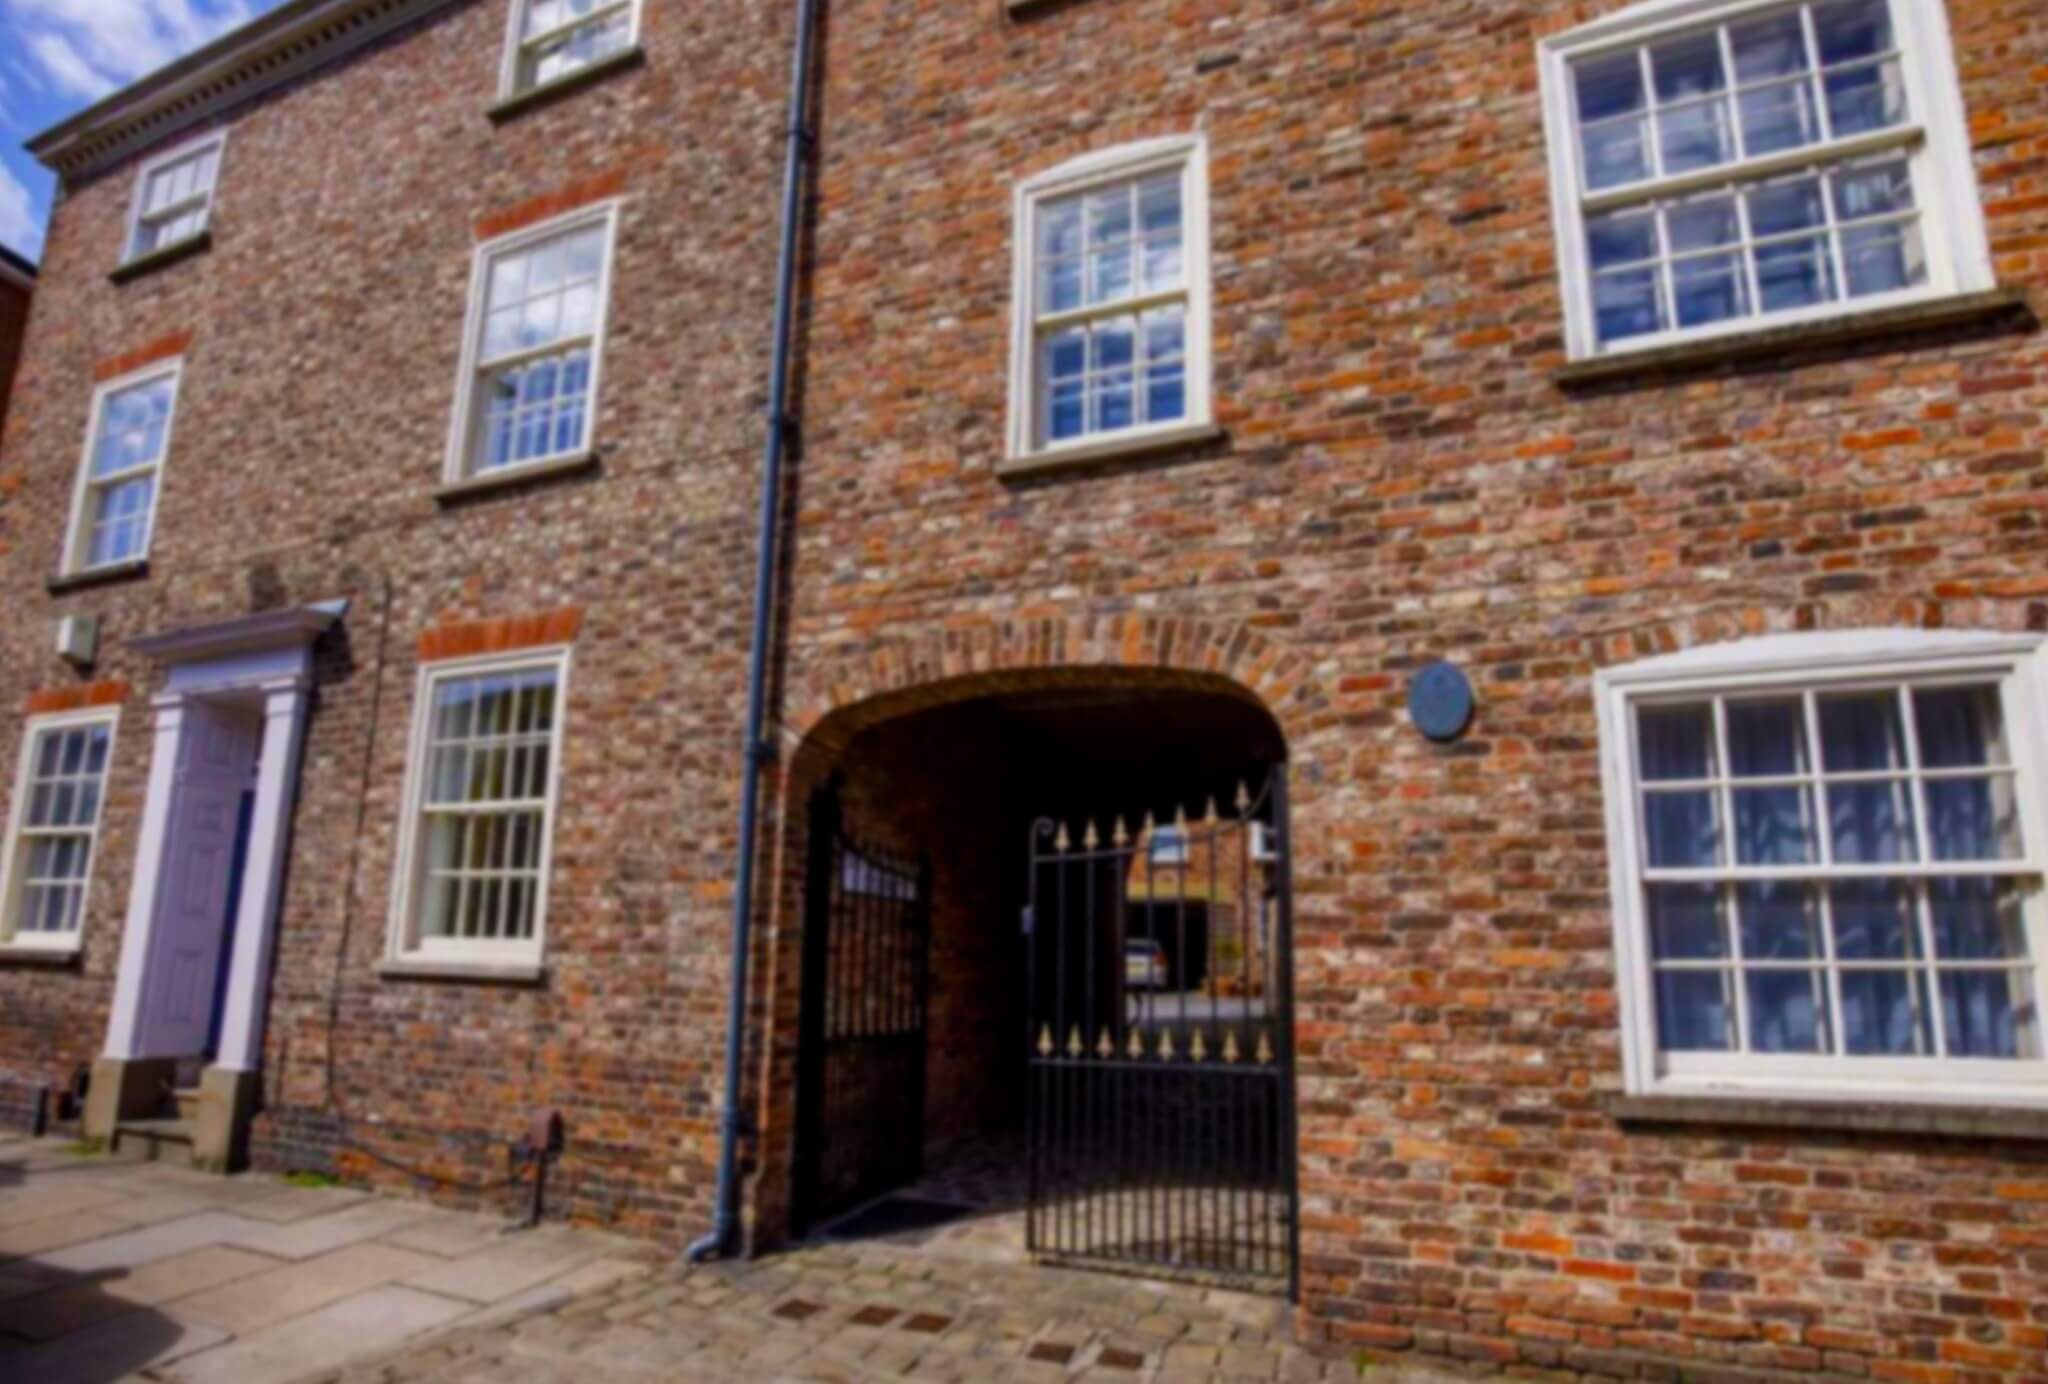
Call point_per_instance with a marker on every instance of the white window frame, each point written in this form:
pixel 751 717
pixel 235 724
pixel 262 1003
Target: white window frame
pixel 404 944
pixel 44 943
pixel 1823 660
pixel 78 531
pixel 1935 136
pixel 1190 155
pixel 515 47
pixel 218 141
pixel 463 431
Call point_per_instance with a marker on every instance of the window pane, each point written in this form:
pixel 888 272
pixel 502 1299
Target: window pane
pixel 1990 1014
pixel 1883 259
pixel 1973 819
pixel 1059 229
pixel 1849 30
pixel 1875 920
pixel 1693 1011
pixel 1773 826
pixel 1885 1013
pixel 1773 46
pixel 1794 274
pixel 1688 67
pixel 1871 823
pixel 1695 136
pixel 1862 99
pixel 1780 208
pixel 1682 829
pixel 1627 304
pixel 1686 923
pixel 1780 922
pixel 1675 743
pixel 1608 86
pixel 1977 920
pixel 133 427
pixel 1861 732
pixel 1960 727
pixel 1776 117
pixel 1787 1011
pixel 1616 153
pixel 1621 238
pixel 1766 739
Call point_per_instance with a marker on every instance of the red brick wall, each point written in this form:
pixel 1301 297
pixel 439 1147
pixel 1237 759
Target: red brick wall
pixel 325 325
pixel 1403 480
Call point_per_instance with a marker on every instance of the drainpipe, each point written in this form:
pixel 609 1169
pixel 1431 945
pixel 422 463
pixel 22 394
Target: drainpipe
pixel 758 752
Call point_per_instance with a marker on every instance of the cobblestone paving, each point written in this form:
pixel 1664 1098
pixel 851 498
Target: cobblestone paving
pixel 877 1310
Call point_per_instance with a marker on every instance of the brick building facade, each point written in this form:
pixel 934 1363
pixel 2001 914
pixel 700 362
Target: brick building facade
pixel 1431 381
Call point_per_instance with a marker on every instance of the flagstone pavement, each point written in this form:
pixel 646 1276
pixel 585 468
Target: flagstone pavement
pixel 115 1270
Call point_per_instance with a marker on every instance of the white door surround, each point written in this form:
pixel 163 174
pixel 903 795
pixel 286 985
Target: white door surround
pixel 235 698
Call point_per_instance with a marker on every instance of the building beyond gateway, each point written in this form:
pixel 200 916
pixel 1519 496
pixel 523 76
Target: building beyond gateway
pixel 1170 385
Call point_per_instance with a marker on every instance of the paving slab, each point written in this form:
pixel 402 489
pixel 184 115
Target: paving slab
pixel 80 1302
pixel 148 1244
pixel 51 1198
pixel 301 1203
pixel 320 1234
pixel 372 1321
pixel 294 1289
pixel 447 1234
pixel 55 1232
pixel 112 1350
pixel 519 1263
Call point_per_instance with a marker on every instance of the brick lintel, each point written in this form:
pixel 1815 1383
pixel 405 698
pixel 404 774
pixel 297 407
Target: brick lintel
pixel 474 638
pixel 50 700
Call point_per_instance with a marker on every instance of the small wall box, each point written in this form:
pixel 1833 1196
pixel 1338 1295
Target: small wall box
pixel 78 639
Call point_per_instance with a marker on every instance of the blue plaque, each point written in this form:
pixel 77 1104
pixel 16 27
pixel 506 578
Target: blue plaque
pixel 1440 701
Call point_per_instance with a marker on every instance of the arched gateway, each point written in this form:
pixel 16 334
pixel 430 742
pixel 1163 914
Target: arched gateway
pixel 1030 954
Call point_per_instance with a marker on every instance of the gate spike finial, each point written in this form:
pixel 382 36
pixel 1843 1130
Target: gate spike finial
pixel 1090 839
pixel 1120 837
pixel 1045 1041
pixel 1136 1047
pixel 1166 1044
pixel 1062 843
pixel 1210 816
pixel 1199 1050
pixel 1151 827
pixel 1265 1049
pixel 1105 1048
pixel 1180 817
pixel 1074 1047
pixel 1230 1052
pixel 1244 798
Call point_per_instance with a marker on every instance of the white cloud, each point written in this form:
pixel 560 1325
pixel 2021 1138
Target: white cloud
pixel 90 47
pixel 71 72
pixel 21 227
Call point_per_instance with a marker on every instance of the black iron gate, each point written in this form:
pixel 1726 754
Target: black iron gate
pixel 1161 1107
pixel 861 1037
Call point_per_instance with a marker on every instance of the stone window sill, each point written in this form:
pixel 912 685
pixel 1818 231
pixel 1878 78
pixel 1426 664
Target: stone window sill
pixel 1867 1117
pixel 97 576
pixel 39 956
pixel 519 103
pixel 162 257
pixel 1966 309
pixel 485 972
pixel 1115 447
pixel 512 477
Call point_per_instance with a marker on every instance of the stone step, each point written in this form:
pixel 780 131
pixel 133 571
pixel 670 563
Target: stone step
pixel 157 1141
pixel 188 1103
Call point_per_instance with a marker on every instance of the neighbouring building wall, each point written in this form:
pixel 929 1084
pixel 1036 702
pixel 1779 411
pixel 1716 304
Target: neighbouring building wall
pixel 16 290
pixel 1402 478
pixel 321 333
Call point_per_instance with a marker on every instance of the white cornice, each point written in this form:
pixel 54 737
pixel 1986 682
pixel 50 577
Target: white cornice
pixel 290 628
pixel 260 56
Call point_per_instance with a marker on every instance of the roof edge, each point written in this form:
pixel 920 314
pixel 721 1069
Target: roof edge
pixel 17 268
pixel 237 67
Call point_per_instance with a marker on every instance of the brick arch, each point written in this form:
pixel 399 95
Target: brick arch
pixel 851 689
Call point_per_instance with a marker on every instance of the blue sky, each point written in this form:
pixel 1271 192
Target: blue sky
pixel 60 56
